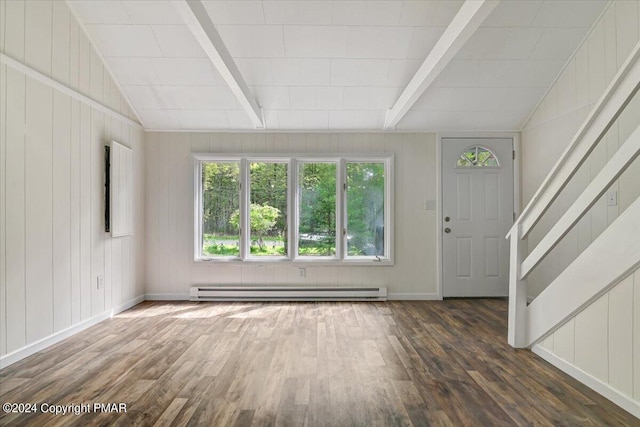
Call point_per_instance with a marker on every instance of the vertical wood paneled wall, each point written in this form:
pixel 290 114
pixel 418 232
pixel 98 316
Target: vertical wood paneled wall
pixel 604 339
pixel 53 246
pixel 169 221
pixel 553 124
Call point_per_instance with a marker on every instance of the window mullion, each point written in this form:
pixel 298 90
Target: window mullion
pixel 244 209
pixel 293 209
pixel 341 209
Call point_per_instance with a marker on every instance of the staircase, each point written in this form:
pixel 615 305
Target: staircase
pixel 609 259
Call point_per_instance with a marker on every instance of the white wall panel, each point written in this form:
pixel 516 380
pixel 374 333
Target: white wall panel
pixel 61 161
pixel 591 338
pixel 169 220
pixel 38 210
pixel 53 244
pixel 3 197
pixel 621 336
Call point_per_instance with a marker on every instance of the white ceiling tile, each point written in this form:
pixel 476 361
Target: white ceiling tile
pixel 176 41
pixel 401 71
pixel 445 11
pixel 101 12
pixel 349 13
pixel 384 12
pixel 513 14
pixel 473 73
pixel 235 12
pixel 203 119
pixel 281 12
pixel 253 41
pixel 522 98
pixel 147 97
pixel 301 72
pixel 558 43
pixel 315 41
pixel 501 43
pixel 379 42
pixel 434 99
pixel 531 73
pixel 186 71
pixel 159 119
pixel 315 12
pixel 303 98
pixel 256 71
pixel 329 98
pixel 133 71
pixel 315 119
pixel 359 72
pixel 271 97
pixel 369 98
pixel 418 13
pixel 423 41
pixel 355 120
pixel 152 12
pixel 198 97
pixel 125 40
pixel 238 119
pixel 288 119
pixel 573 13
pixel 478 99
pixel 271 119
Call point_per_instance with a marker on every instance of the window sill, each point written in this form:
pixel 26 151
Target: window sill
pixel 298 262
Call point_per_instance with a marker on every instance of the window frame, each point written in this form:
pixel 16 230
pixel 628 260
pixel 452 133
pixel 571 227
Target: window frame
pixel 293 204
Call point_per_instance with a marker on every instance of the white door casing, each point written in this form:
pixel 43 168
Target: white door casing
pixel 477 213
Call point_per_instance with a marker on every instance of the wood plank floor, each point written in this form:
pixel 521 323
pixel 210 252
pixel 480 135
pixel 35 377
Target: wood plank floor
pixel 317 364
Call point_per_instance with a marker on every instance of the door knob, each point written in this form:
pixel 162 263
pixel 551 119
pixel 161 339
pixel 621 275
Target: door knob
pixel 447 230
pixel 447 219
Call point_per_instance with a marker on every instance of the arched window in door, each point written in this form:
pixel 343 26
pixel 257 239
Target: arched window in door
pixel 477 157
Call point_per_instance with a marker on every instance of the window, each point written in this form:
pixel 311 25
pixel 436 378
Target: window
pixel 312 209
pixel 477 156
pixel 317 209
pixel 220 209
pixel 268 209
pixel 365 209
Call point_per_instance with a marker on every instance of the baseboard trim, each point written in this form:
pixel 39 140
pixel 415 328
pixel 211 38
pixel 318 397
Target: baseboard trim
pixel 622 400
pixel 28 350
pixel 392 296
pixel 167 297
pixel 127 305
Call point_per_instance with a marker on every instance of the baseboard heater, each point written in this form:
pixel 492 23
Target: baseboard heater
pixel 241 293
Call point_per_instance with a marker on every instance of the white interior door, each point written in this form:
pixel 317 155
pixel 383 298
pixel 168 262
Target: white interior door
pixel 477 213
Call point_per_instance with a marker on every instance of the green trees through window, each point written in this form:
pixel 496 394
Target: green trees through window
pixel 340 208
pixel 317 209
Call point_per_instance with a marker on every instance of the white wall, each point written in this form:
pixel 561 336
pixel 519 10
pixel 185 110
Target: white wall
pixel 169 221
pixel 553 124
pixel 604 339
pixel 53 245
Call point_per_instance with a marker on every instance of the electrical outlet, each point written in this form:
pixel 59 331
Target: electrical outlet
pixel 100 282
pixel 302 272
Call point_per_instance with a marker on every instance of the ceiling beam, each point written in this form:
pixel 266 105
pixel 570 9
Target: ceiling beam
pixel 199 23
pixel 464 24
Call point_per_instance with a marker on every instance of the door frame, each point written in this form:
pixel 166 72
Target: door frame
pixel 515 136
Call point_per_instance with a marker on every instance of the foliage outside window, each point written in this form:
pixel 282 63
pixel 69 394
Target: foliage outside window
pixel 220 200
pixel 297 209
pixel 317 209
pixel 365 209
pixel 477 157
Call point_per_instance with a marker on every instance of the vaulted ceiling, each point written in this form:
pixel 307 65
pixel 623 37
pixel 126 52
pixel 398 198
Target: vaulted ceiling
pixel 334 65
